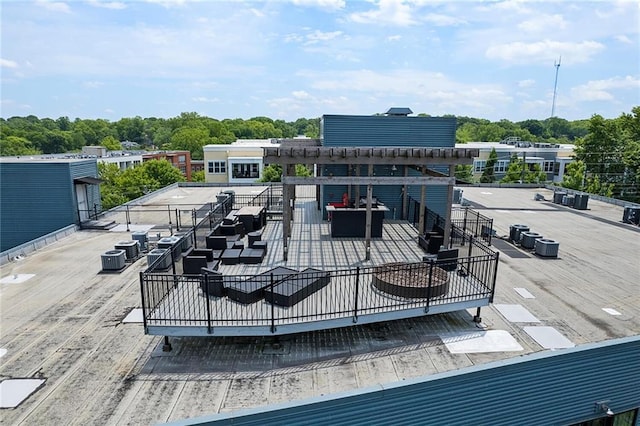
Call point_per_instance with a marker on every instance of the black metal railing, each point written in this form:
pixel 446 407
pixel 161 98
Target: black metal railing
pixel 471 222
pixel 183 300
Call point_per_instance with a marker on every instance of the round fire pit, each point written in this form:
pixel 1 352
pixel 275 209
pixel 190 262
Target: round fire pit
pixel 411 280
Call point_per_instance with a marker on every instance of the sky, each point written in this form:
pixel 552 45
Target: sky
pixel 305 58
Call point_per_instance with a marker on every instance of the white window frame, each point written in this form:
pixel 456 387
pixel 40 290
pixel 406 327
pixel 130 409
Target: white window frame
pixel 217 167
pixel 479 166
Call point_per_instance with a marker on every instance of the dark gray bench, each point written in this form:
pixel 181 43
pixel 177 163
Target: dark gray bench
pixel 251 256
pixel 194 260
pixel 230 256
pixel 296 288
pixel 251 290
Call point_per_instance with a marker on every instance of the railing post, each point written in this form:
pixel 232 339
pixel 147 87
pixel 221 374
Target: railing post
pixel 206 293
pixel 144 310
pixel 495 276
pixel 355 302
pixel 127 217
pixel 169 212
pixel 273 313
pixel 431 264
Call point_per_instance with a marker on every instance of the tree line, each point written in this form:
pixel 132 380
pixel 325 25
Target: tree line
pixel 607 151
pixel 607 160
pixel 189 131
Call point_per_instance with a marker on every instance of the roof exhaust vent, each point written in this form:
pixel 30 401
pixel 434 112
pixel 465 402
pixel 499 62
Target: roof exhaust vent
pixel 399 111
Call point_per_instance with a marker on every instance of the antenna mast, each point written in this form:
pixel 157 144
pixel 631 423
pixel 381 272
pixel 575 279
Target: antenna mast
pixel 555 87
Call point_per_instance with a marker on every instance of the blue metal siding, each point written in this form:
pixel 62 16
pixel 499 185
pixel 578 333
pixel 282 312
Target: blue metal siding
pixel 82 169
pixel 38 198
pixel 547 388
pixel 357 130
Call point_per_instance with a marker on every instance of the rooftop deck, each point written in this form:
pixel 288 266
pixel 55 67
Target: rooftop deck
pixel 176 305
pixel 62 321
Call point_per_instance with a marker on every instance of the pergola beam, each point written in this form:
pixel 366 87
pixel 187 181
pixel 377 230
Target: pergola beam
pixel 365 180
pixel 378 155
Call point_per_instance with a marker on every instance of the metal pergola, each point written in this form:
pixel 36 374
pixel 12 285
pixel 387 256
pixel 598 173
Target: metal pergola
pixel 310 152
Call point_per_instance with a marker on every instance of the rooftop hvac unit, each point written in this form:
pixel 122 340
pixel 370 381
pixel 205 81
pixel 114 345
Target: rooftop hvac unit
pixel 568 200
pixel 631 215
pixel 515 230
pixel 113 260
pixel 546 248
pixel 185 237
pixel 130 248
pixel 141 237
pixel 171 243
pixel 528 239
pixel 580 201
pixel 457 195
pixel 557 196
pixel 162 256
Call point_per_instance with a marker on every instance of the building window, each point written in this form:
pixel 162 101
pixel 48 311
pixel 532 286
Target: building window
pixel 501 166
pixel 182 158
pixel 548 166
pixel 246 170
pixel 478 166
pixel 217 167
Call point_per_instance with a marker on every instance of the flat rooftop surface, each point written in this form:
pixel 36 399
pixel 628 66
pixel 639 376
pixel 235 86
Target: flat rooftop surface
pixel 62 320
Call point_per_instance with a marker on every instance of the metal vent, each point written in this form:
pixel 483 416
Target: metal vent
pixel 141 237
pixel 113 260
pixel 546 248
pixel 162 256
pixel 131 248
pixel 528 239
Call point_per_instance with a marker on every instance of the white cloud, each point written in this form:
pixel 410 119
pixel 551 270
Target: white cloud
pixel 92 84
pixel 54 6
pixel 623 39
pixel 429 90
pixel 329 5
pixel 388 12
pixel 395 37
pixel 114 5
pixel 6 63
pixel 600 90
pixel 541 23
pixel 443 20
pixel 300 94
pixel 526 83
pixel 205 99
pixel 167 4
pixel 318 36
pixel 547 50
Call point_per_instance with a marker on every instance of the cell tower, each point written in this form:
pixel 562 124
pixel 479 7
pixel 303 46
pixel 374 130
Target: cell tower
pixel 555 87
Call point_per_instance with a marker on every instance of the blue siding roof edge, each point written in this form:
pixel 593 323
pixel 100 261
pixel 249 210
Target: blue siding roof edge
pixel 369 392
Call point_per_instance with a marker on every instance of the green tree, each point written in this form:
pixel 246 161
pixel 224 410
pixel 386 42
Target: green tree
pixel 574 175
pixel 531 173
pixel 303 171
pixel 602 151
pixel 131 129
pixel 198 176
pixel 191 139
pixel 488 174
pixel 162 172
pixel 15 146
pixel 111 143
pixel 464 172
pixel 272 173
